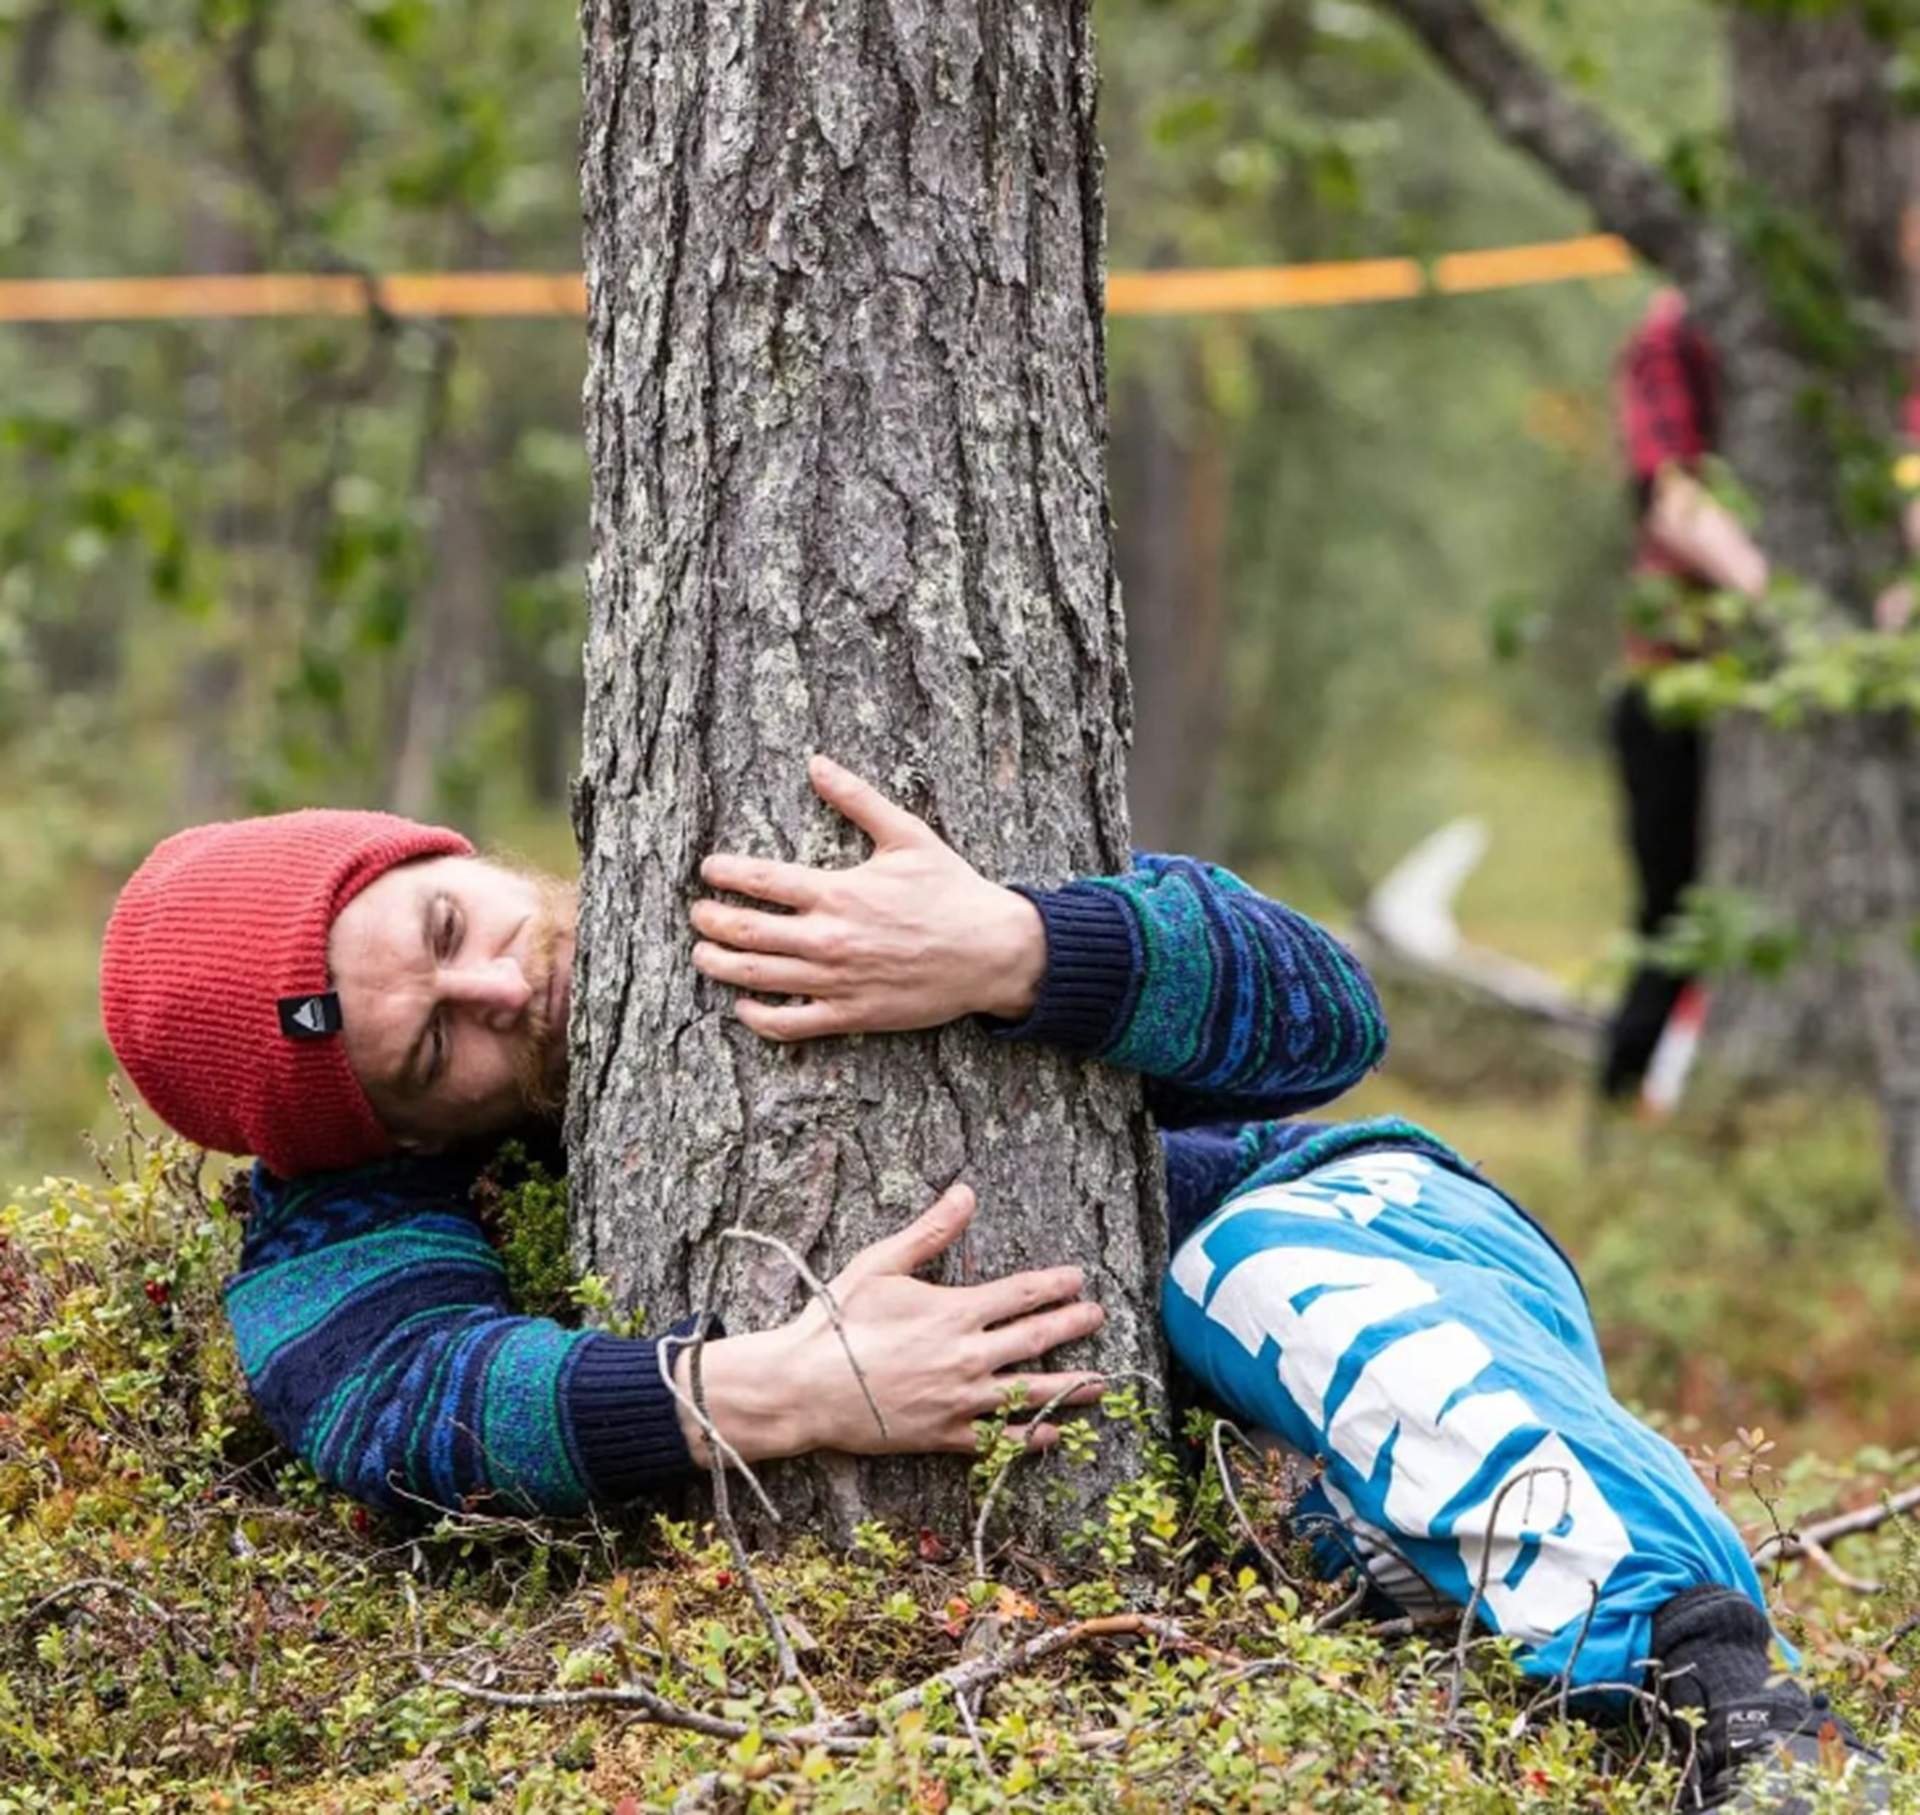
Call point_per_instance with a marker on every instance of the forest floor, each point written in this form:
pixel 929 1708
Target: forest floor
pixel 188 1621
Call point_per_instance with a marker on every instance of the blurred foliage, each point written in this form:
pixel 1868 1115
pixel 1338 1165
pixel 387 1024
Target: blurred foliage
pixel 189 1622
pixel 1414 489
pixel 247 565
pixel 1718 932
pixel 254 564
pixel 228 531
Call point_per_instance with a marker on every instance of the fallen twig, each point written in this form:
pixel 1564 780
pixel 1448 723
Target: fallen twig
pixel 851 1732
pixel 974 1674
pixel 1409 919
pixel 1486 1563
pixel 476 1525
pixel 1221 1467
pixel 1408 1625
pixel 963 1706
pixel 106 1585
pixel 789 1663
pixel 1337 1616
pixel 655 1708
pixel 819 1289
pixel 1810 1550
pixel 1824 1532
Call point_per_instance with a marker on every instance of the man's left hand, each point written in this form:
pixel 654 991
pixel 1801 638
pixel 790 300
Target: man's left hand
pixel 914 937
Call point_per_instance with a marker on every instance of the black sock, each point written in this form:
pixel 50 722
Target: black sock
pixel 1712 1648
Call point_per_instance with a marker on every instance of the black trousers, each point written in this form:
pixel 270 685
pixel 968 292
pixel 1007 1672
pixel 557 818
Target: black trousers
pixel 1662 772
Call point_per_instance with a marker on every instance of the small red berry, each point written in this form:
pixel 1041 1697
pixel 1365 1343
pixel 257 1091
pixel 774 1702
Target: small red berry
pixel 157 1291
pixel 362 1520
pixel 723 1578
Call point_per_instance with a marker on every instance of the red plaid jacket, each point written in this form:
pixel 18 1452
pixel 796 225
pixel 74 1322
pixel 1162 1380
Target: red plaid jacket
pixel 1668 385
pixel 1668 388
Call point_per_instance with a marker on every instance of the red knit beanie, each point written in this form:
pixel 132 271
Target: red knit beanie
pixel 214 983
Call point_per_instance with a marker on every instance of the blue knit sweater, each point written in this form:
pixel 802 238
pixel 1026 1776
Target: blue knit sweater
pixel 371 1313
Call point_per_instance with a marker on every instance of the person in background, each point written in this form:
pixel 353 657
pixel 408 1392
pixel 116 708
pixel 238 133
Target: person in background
pixel 1668 390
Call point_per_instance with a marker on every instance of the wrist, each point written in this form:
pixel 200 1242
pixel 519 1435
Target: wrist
pixel 1016 964
pixel 753 1396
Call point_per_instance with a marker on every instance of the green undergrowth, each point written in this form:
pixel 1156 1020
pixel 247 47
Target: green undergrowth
pixel 188 1621
pixel 523 1208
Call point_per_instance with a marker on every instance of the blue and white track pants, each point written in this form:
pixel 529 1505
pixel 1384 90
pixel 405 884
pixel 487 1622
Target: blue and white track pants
pixel 1411 1330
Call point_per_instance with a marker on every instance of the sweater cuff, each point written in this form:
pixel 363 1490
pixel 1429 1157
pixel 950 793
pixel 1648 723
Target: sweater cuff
pixel 1092 965
pixel 626 1421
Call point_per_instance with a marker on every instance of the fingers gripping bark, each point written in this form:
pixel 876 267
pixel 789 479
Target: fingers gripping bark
pixel 792 885
pixel 853 798
pixel 881 1361
pixel 913 937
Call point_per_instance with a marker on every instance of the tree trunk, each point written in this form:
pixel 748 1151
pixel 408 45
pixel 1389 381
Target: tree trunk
pixel 1170 497
pixel 210 682
pixel 1820 148
pixel 453 643
pixel 1808 821
pixel 845 413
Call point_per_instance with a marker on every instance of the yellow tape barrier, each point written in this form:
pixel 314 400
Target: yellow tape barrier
pixel 1227 290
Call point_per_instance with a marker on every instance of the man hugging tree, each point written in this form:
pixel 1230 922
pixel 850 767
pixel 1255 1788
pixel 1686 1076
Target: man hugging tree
pixel 367 1006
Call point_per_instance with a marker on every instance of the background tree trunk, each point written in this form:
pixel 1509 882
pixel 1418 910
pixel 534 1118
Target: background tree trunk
pixel 845 412
pixel 1810 821
pixel 453 644
pixel 1170 488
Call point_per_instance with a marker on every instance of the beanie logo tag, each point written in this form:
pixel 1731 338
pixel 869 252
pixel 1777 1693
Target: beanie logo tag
pixel 310 1017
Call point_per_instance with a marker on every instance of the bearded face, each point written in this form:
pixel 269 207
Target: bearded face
pixel 455 978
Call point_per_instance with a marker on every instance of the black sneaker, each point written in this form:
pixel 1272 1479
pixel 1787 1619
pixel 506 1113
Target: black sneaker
pixel 1759 1743
pixel 1776 1758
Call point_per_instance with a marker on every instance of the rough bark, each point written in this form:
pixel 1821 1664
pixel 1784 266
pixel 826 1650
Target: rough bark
pixel 1170 489
pixel 845 414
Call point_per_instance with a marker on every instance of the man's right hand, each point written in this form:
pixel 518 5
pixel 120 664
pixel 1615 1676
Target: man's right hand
pixel 933 1356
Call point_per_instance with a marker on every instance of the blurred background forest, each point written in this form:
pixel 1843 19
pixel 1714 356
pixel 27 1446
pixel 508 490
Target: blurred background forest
pixel 1374 556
